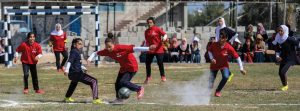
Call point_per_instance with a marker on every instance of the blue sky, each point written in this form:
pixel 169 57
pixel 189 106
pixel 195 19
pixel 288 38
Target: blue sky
pixel 192 6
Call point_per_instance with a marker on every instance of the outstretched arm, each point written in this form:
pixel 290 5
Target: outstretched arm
pixel 239 61
pixel 92 56
pixel 140 49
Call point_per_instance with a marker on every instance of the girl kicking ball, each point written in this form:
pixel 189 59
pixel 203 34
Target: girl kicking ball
pixel 31 53
pixel 76 73
pixel 124 55
pixel 218 54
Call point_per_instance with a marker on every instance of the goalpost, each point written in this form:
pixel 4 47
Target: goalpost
pixel 40 10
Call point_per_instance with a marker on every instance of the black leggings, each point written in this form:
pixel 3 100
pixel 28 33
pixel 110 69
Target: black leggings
pixel 123 80
pixel 57 57
pixel 283 68
pixel 86 79
pixel 33 71
pixel 159 58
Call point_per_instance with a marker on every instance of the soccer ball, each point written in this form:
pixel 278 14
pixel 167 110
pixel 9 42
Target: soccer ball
pixel 124 93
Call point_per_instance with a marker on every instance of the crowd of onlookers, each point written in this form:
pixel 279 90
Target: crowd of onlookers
pixel 257 48
pixel 182 52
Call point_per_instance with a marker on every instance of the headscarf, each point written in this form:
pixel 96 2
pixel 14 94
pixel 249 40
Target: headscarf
pixel 183 46
pixel 219 28
pixel 195 46
pixel 58 33
pixel 174 42
pixel 260 29
pixel 280 39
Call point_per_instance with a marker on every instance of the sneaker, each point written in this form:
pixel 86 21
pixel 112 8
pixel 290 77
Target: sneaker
pixel 69 99
pixel 218 94
pixel 39 91
pixel 230 77
pixel 163 78
pixel 147 80
pixel 284 88
pixel 25 91
pixel 140 93
pixel 98 101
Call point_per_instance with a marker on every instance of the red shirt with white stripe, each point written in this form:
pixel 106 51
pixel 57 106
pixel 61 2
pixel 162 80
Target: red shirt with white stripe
pixel 29 52
pixel 153 36
pixel 221 55
pixel 58 42
pixel 124 55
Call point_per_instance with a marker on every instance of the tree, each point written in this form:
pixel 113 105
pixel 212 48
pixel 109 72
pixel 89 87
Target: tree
pixel 209 13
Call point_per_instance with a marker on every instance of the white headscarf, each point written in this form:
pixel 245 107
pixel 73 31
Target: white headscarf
pixel 219 28
pixel 280 39
pixel 183 46
pixel 58 33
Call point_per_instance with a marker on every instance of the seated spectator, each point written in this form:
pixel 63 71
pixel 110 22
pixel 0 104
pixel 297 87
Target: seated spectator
pixel 206 56
pixel 237 47
pixel 250 33
pixel 196 58
pixel 166 50
pixel 261 30
pixel 184 51
pixel 247 51
pixel 173 50
pixel 259 49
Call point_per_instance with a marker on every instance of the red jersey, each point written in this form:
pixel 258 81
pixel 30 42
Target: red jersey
pixel 221 55
pixel 124 55
pixel 29 52
pixel 153 37
pixel 58 42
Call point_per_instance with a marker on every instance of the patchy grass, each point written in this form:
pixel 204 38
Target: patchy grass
pixel 256 91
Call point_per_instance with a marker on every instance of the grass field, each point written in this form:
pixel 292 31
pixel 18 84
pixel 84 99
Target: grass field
pixel 256 91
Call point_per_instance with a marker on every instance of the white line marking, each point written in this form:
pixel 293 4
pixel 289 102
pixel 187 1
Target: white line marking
pixel 10 103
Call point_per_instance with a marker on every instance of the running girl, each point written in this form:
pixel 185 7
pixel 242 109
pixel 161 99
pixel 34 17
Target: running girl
pixel 285 54
pixel 218 54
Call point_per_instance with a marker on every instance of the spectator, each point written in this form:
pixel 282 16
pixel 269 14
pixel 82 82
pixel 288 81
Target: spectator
pixel 173 50
pixel 206 56
pixel 166 45
pixel 232 35
pixel 184 51
pixel 261 30
pixel 259 49
pixel 249 33
pixel 237 47
pixel 291 33
pixel 247 51
pixel 270 53
pixel 196 58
